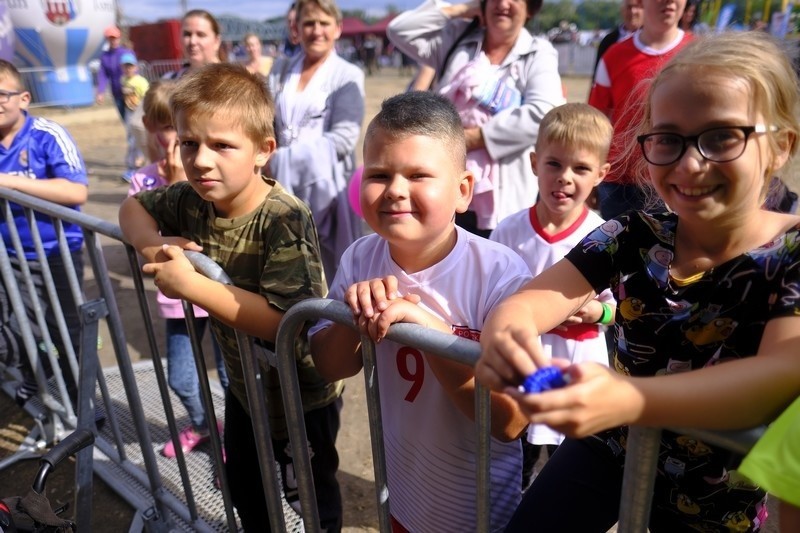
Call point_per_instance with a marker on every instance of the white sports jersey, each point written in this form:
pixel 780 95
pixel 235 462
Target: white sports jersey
pixel 586 342
pixel 430 445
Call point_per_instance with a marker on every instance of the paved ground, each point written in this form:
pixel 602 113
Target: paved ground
pixel 100 137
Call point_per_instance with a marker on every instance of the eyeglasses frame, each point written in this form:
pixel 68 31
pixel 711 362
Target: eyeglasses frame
pixel 695 140
pixel 5 96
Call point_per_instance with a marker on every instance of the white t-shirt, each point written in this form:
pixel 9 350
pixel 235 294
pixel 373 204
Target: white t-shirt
pixel 430 445
pixel 522 233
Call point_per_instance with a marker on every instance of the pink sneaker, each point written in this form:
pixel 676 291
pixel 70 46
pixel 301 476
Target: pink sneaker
pixel 221 440
pixel 189 439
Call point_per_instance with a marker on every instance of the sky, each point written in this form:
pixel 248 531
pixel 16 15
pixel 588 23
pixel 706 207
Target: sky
pixel 152 10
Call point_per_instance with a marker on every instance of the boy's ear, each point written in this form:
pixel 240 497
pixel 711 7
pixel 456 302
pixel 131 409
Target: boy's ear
pixel 534 163
pixel 24 100
pixel 466 183
pixel 265 152
pixel 602 173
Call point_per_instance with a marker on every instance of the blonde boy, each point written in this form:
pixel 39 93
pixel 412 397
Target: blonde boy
pixel 423 269
pixel 134 87
pixel 264 239
pixel 570 161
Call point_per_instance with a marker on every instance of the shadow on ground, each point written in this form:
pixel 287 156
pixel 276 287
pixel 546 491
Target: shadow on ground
pixel 110 513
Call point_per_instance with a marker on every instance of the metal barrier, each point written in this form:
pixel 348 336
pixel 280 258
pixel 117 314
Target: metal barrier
pixel 33 76
pixel 155 70
pixel 169 494
pixel 132 399
pixel 642 450
pixel 433 342
pixel 640 468
pixel 576 59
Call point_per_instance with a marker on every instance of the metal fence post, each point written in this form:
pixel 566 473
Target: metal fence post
pixel 91 313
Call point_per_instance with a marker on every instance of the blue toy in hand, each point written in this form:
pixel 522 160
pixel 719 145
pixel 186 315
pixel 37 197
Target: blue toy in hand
pixel 544 379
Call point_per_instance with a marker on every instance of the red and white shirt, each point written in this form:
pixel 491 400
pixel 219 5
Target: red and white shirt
pixel 430 445
pixel 620 87
pixel 523 233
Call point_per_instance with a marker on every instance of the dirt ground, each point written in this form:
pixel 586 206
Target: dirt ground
pixel 100 137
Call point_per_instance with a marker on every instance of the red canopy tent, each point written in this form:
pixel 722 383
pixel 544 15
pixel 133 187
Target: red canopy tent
pixel 379 28
pixel 352 26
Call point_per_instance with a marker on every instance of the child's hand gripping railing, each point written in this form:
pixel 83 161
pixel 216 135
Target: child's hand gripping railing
pixel 433 342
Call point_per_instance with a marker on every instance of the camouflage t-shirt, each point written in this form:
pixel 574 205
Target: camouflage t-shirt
pixel 272 251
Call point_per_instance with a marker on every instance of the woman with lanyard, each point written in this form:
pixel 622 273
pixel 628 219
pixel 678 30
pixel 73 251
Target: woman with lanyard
pixel 319 107
pixel 501 79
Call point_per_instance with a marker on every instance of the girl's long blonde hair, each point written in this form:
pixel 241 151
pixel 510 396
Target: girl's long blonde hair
pixel 754 57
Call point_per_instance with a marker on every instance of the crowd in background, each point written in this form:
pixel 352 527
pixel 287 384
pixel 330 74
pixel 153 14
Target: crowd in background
pixel 496 85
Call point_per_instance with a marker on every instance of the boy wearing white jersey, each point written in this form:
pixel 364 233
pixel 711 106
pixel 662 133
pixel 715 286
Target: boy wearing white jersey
pixel 570 161
pixel 422 269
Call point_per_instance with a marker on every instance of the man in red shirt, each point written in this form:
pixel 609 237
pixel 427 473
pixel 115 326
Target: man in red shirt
pixel 619 90
pixel 631 13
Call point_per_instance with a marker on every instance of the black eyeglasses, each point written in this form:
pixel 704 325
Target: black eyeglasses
pixel 5 96
pixel 719 145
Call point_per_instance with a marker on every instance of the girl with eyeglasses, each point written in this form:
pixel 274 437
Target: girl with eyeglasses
pixel 707 329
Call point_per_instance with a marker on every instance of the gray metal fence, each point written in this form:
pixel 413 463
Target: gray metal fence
pixel 138 407
pixel 576 59
pixel 43 95
pixel 131 398
pixel 432 342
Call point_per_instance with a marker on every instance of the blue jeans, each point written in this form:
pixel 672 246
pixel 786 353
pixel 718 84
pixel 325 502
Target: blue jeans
pixel 182 370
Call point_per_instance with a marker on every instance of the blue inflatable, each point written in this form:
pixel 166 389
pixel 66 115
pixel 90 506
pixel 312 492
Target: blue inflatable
pixel 6 33
pixel 56 39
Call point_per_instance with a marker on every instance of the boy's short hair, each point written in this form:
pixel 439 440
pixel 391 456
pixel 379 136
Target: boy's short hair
pixel 422 113
pixel 230 89
pixel 579 125
pixel 9 71
pixel 156 105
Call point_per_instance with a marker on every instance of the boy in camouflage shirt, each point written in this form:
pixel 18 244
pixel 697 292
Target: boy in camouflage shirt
pixel 265 240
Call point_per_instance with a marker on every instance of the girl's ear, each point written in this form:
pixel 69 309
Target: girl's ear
pixel 785 142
